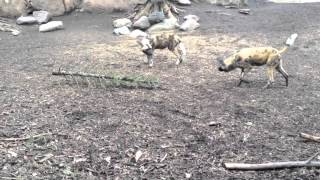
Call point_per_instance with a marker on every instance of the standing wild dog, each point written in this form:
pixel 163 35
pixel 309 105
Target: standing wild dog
pixel 162 41
pixel 246 58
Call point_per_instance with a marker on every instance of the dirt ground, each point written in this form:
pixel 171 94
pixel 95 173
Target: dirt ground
pixel 90 132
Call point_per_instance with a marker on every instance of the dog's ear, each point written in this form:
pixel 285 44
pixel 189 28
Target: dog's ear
pixel 237 58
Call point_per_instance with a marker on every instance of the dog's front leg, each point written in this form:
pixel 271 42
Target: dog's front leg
pixel 149 53
pixel 150 60
pixel 244 71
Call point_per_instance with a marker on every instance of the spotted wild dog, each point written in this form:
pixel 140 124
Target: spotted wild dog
pixel 246 58
pixel 162 41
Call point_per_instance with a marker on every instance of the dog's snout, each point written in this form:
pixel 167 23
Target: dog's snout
pixel 220 69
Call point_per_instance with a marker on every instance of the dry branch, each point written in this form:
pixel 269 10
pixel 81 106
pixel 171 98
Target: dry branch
pixel 274 165
pixel 310 137
pixel 120 80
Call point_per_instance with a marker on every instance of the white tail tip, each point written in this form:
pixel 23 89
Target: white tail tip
pixel 291 39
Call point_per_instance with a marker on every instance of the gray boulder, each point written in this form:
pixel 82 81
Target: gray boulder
pixel 122 22
pixel 142 23
pixel 156 17
pixel 124 30
pixel 51 26
pixel 167 24
pixel 42 16
pixel 189 25
pixel 26 20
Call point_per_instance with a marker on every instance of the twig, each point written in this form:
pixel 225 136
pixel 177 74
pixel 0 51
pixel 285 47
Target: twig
pixel 310 137
pixel 273 165
pixel 26 138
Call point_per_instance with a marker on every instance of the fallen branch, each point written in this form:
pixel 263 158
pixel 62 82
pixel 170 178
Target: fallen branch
pixel 26 138
pixel 137 81
pixel 274 165
pixel 310 137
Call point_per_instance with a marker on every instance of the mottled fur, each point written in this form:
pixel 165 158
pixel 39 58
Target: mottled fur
pixel 246 58
pixel 165 40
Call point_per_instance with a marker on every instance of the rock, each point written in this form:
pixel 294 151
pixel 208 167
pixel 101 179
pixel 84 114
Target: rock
pixel 194 17
pixel 15 32
pixel 124 30
pixel 106 5
pixel 41 16
pixel 156 17
pixel 184 2
pixel 12 8
pixel 26 20
pixel 142 23
pixel 189 25
pixel 122 22
pixel 51 26
pixel 136 33
pixel 244 11
pixel 167 24
pixel 55 7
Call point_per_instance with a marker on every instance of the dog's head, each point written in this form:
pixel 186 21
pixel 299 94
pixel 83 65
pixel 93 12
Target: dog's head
pixel 229 63
pixel 144 42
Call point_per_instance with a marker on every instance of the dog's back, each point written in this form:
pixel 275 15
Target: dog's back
pixel 259 55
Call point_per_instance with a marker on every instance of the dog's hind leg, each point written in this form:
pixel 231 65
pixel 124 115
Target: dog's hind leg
pixel 283 72
pixel 180 52
pixel 270 72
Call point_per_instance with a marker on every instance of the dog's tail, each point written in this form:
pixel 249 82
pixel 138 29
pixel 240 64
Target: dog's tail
pixel 289 43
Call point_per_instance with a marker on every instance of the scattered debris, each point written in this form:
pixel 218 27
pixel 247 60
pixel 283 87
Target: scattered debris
pixel 164 157
pixel 12 154
pixel 51 26
pixel 78 160
pixel 108 159
pixel 244 11
pixel 188 175
pixel 214 123
pixel 45 158
pixel 138 155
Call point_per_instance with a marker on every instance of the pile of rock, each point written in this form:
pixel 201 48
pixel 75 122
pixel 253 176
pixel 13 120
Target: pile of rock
pixel 42 18
pixel 124 26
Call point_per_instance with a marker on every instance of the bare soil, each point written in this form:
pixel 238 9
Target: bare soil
pixel 93 132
